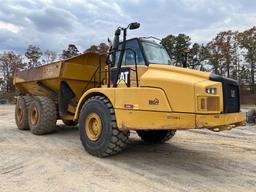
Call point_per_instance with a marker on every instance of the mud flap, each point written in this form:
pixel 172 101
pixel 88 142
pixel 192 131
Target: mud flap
pixel 65 97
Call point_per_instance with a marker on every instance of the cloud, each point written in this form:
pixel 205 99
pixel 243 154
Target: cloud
pixel 9 27
pixel 54 24
pixel 52 19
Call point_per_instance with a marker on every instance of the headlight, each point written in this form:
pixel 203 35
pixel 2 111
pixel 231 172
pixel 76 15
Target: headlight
pixel 211 90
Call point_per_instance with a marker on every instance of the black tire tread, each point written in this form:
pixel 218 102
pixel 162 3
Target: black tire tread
pixel 48 116
pixel 170 134
pixel 27 100
pixel 119 138
pixel 250 116
pixel 69 122
pixel 151 137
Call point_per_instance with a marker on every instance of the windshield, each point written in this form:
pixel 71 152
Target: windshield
pixel 156 54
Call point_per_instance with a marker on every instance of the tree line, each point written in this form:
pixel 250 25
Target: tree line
pixel 229 53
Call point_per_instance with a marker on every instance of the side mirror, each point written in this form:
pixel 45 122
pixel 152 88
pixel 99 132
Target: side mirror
pixel 118 32
pixel 116 39
pixel 134 26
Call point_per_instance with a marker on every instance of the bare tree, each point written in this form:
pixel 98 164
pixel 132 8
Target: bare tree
pixel 102 48
pixel 198 57
pixel 247 41
pixel 33 54
pixel 222 50
pixel 9 64
pixel 50 56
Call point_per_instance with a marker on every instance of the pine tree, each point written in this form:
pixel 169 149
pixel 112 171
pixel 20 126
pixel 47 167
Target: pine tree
pixel 176 47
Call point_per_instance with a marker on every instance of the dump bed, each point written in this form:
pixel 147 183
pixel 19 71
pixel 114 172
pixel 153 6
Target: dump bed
pixel 77 72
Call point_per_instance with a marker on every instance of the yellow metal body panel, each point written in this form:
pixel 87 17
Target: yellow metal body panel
pixel 140 99
pixel 76 72
pixel 137 97
pixel 219 120
pixel 82 67
pixel 144 120
pixel 200 93
pixel 49 71
pixel 108 92
pixel 144 116
pixel 178 84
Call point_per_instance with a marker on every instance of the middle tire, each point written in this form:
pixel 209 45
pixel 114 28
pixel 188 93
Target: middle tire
pixel 156 136
pixel 98 129
pixel 69 122
pixel 42 115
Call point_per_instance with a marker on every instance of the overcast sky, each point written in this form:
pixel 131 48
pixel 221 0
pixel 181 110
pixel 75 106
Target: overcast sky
pixel 53 24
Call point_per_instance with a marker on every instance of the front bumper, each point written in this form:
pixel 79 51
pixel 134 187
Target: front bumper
pixel 219 122
pixel 152 120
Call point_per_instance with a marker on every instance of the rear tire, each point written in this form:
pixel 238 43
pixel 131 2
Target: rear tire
pixel 21 112
pixel 106 139
pixel 42 115
pixel 156 136
pixel 69 122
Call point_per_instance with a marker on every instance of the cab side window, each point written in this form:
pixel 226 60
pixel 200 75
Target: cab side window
pixel 129 56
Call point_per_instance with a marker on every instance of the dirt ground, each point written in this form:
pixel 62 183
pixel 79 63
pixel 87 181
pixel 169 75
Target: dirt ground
pixel 196 160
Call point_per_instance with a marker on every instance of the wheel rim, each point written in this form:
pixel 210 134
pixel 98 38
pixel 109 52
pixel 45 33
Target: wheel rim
pixel 34 116
pixel 93 126
pixel 19 113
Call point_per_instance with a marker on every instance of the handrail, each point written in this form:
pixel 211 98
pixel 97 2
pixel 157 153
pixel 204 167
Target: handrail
pixel 93 76
pixel 136 65
pixel 99 69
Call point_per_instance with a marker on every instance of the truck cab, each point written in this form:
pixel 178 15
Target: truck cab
pixel 138 55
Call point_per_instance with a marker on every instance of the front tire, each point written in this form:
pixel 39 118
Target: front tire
pixel 98 129
pixel 156 136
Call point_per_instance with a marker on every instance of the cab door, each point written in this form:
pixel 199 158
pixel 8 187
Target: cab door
pixel 132 55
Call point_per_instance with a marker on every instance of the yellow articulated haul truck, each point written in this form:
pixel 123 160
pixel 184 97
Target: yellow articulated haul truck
pixel 133 87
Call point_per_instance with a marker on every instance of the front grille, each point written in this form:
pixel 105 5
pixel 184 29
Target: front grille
pixel 231 97
pixel 208 104
pixel 213 104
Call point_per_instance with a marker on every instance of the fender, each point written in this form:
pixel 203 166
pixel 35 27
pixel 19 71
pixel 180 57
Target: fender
pixel 107 92
pixel 140 98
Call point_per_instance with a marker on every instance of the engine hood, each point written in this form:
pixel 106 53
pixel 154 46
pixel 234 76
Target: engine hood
pixel 180 70
pixel 178 84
